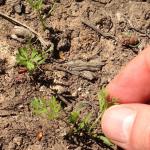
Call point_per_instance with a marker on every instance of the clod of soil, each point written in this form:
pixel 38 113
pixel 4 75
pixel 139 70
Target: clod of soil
pixel 2 2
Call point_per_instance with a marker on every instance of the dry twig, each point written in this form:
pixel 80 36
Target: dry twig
pixel 132 27
pixel 16 22
pixel 106 35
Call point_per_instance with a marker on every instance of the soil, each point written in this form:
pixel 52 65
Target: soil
pixel 125 31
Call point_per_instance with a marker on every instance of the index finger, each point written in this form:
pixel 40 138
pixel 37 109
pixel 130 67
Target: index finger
pixel 132 84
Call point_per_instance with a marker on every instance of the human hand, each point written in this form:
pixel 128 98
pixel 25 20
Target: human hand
pixel 128 124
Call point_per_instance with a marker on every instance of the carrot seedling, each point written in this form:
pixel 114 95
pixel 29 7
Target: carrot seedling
pixel 85 124
pixel 104 104
pixel 48 108
pixel 29 58
pixel 37 5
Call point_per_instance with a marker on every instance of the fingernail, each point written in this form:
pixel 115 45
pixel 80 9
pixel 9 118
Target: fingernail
pixel 117 123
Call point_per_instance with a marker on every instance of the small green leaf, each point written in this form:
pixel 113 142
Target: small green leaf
pixel 85 122
pixel 30 66
pixel 54 108
pixel 49 108
pixel 103 102
pixel 41 61
pixel 34 53
pixel 74 116
pixel 23 52
pixel 106 141
pixel 87 118
pixel 36 4
pixel 39 106
pixel 81 126
pixel 36 59
pixel 102 96
pixel 21 55
pixel 29 58
pixel 20 60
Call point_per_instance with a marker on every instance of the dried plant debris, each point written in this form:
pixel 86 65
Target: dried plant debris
pixel 85 69
pixel 80 65
pixel 105 35
pixel 102 1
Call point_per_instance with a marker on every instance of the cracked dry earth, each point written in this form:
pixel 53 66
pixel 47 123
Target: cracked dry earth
pixel 86 59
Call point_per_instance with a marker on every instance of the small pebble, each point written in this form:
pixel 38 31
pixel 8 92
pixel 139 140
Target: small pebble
pixel 60 74
pixel 75 94
pixel 79 89
pixel 42 88
pixel 59 89
pixel 18 140
pixel 19 8
pixel 88 75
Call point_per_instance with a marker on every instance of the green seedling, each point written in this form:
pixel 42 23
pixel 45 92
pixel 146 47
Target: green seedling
pixel 29 58
pixel 88 126
pixel 85 123
pixel 48 108
pixel 37 5
pixel 102 98
pixel 103 102
pixel 74 116
pixel 80 122
pixel 106 141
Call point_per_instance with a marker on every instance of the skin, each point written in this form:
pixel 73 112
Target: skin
pixel 132 89
pixel 132 84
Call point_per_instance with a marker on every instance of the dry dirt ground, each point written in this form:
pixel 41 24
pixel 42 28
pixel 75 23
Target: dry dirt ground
pixel 85 60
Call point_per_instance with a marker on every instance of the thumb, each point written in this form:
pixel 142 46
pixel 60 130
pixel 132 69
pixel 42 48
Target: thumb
pixel 128 126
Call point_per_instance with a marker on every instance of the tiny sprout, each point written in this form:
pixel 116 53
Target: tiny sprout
pixel 103 102
pixel 85 124
pixel 48 108
pixel 37 5
pixel 29 58
pixel 74 116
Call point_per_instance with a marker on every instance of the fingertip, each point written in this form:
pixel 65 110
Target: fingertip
pixel 117 122
pixel 132 84
pixel 128 126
